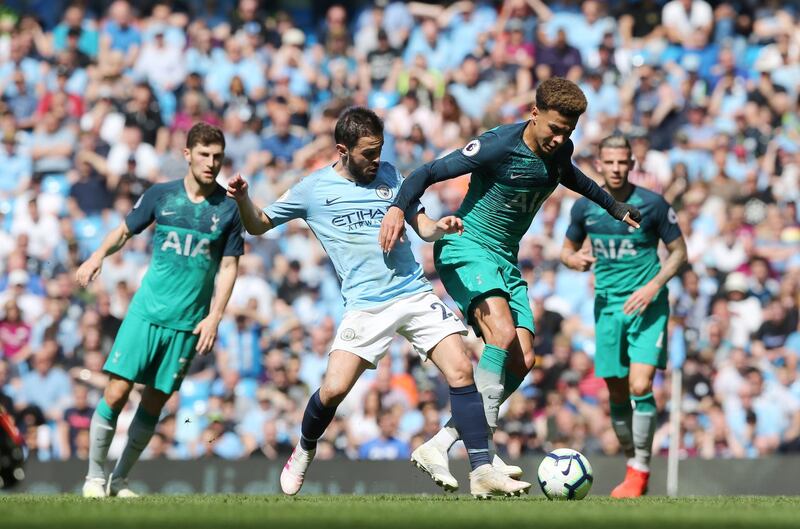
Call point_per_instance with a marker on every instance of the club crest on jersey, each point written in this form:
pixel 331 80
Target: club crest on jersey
pixel 384 191
pixel 214 222
pixel 472 148
pixel 672 216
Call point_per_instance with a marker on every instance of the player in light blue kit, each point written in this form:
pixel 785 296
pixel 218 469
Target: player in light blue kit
pixel 384 294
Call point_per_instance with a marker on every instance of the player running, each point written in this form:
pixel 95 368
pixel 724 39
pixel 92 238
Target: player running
pixel 514 169
pixel 631 302
pixel 198 233
pixel 384 294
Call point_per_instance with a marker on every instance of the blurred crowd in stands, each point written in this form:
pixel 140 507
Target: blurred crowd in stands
pixel 96 100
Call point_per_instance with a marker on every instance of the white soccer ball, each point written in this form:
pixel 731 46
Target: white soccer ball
pixel 565 474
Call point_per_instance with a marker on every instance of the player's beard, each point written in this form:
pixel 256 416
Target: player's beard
pixel 359 175
pixel 204 179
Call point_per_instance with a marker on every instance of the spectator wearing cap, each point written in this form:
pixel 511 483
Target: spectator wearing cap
pixel 381 68
pixel 76 25
pixel 745 310
pixel 59 95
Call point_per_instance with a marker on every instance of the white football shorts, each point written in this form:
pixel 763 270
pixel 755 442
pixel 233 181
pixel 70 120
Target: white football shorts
pixel 423 319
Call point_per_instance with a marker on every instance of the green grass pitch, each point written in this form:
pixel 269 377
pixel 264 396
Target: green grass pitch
pixel 386 512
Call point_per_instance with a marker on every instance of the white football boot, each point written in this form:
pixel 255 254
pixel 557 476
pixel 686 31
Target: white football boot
pixel 512 471
pixel 486 482
pixel 94 488
pixel 294 471
pixel 434 463
pixel 118 487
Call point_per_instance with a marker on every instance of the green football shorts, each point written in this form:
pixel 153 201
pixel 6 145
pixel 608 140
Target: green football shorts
pixel 150 354
pixel 471 273
pixel 622 339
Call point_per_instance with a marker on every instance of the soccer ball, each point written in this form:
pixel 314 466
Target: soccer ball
pixel 565 474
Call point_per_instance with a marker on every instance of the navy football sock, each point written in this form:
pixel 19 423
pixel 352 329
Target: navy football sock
pixel 316 419
pixel 467 408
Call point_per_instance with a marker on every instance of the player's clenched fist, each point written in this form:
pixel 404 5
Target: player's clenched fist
pixel 237 188
pixel 392 227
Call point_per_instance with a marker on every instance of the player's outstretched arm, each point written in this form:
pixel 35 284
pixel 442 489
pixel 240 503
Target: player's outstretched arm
pixel 254 220
pixel 431 230
pixel 574 179
pixel 112 243
pixel 481 151
pixel 226 277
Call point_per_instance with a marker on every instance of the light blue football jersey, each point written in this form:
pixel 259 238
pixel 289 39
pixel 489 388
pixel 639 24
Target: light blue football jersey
pixel 346 218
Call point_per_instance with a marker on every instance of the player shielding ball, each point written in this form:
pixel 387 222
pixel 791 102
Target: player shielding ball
pixel 514 169
pixel 631 302
pixel 198 236
pixel 384 294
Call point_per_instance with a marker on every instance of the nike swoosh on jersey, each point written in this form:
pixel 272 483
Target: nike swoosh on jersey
pixel 166 213
pixel 515 176
pixel 329 201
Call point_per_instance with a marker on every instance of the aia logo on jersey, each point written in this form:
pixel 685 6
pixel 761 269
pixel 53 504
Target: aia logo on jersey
pixel 186 246
pixel 472 148
pixel 383 191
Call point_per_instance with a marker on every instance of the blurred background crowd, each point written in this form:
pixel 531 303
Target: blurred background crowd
pixel 97 98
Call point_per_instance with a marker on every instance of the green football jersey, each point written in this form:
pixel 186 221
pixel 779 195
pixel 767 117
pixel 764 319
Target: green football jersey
pixel 627 258
pixel 189 242
pixel 509 184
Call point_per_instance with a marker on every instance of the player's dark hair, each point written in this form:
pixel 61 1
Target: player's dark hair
pixel 561 95
pixel 355 123
pixel 615 141
pixel 204 134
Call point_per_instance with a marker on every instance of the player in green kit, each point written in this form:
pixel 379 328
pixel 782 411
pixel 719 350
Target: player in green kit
pixel 631 302
pixel 197 237
pixel 514 169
